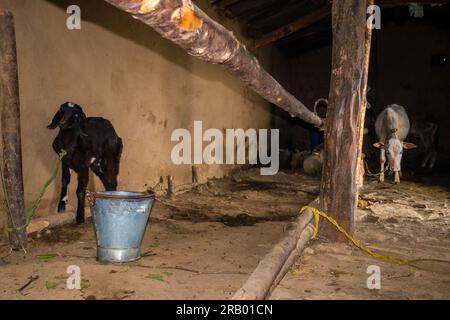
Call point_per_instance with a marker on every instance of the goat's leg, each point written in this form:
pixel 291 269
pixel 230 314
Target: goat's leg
pixel 106 175
pixel 382 162
pixel 83 180
pixel 97 168
pixel 65 180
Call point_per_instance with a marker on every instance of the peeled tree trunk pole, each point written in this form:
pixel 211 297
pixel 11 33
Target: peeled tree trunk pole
pixel 185 24
pixel 10 122
pixel 338 196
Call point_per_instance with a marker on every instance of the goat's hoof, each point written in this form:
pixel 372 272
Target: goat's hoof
pixel 61 207
pixel 80 220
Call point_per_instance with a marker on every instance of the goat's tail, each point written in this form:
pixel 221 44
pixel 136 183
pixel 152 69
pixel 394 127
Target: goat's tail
pixel 119 147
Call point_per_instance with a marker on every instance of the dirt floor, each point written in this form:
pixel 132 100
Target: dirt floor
pixel 408 221
pixel 204 243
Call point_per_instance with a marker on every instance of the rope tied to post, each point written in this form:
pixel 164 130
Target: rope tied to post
pixel 412 263
pixel 318 213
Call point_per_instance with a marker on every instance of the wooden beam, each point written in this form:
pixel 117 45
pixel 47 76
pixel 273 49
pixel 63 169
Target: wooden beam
pixel 321 13
pixel 186 25
pixel 10 122
pixel 338 194
pixel 248 10
pixel 396 3
pixel 224 3
pixel 263 10
pixel 275 264
pixel 53 221
pixel 295 26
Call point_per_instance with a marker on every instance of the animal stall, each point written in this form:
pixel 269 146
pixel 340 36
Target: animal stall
pixel 335 199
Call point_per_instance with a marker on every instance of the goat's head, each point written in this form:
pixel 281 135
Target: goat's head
pixel 69 116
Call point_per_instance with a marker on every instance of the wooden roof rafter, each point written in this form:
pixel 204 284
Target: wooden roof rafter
pixel 259 25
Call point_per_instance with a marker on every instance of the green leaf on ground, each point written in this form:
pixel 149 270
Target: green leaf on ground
pixel 155 276
pixel 85 284
pixel 46 256
pixel 168 273
pixel 50 285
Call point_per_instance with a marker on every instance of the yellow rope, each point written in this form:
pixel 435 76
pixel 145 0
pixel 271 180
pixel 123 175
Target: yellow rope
pixel 370 174
pixel 317 213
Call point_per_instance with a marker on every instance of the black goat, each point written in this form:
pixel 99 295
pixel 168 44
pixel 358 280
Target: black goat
pixel 89 143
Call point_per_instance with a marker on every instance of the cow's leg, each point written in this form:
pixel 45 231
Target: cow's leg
pixel 432 159
pixel 382 162
pixel 65 180
pixel 397 176
pixel 83 180
pixel 433 146
pixel 427 152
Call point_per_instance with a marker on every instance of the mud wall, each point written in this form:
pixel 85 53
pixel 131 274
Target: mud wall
pixel 308 78
pixel 117 68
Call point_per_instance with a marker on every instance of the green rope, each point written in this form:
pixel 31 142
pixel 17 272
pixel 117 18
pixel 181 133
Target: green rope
pixel 4 190
pixel 31 212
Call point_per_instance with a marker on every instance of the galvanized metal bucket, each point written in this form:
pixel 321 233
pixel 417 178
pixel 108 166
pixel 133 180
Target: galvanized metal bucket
pixel 120 219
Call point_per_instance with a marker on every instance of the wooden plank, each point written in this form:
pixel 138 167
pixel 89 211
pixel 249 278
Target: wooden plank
pixel 319 14
pixel 12 148
pixel 338 195
pixel 186 25
pixel 295 26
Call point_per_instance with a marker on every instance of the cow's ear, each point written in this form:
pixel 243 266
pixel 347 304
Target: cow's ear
pixel 378 145
pixel 409 145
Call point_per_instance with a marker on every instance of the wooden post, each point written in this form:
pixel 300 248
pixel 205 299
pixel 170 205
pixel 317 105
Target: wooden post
pixel 185 24
pixel 361 124
pixel 338 195
pixel 12 153
pixel 194 174
pixel 170 186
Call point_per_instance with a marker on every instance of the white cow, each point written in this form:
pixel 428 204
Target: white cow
pixel 392 127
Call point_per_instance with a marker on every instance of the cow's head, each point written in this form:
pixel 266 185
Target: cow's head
pixel 69 116
pixel 394 151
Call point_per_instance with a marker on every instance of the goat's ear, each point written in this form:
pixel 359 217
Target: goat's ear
pixel 81 124
pixel 378 145
pixel 409 145
pixel 56 119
